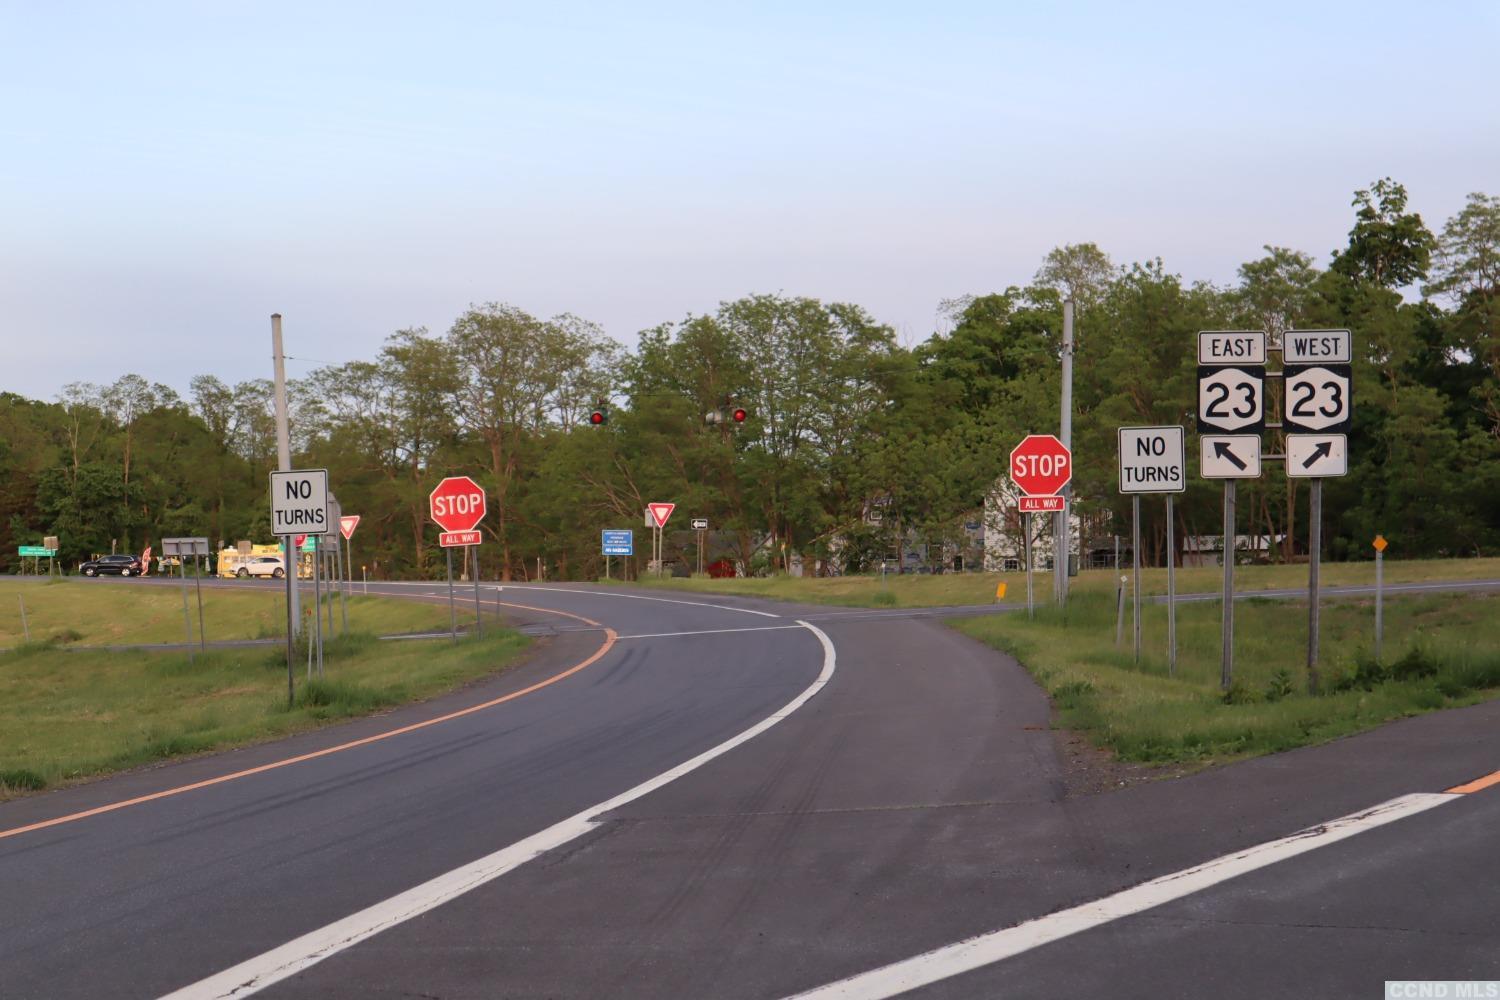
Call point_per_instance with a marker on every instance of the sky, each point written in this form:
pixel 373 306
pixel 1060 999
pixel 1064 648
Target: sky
pixel 172 174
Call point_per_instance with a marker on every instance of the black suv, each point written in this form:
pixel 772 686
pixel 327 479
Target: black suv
pixel 123 565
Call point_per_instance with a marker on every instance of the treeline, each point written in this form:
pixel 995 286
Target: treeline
pixel 844 421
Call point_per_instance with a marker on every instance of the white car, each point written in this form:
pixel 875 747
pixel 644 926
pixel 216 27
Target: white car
pixel 261 566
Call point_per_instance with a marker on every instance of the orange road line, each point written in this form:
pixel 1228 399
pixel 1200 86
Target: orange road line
pixel 1476 784
pixel 609 640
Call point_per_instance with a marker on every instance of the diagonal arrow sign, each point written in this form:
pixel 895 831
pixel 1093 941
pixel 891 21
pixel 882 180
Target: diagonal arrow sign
pixel 1221 450
pixel 1322 450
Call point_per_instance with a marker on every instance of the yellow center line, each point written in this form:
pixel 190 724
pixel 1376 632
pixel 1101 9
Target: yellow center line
pixel 1493 778
pixel 609 640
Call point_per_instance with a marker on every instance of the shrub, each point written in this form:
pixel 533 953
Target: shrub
pixel 1280 685
pixel 1072 694
pixel 22 779
pixel 1238 694
pixel 1414 665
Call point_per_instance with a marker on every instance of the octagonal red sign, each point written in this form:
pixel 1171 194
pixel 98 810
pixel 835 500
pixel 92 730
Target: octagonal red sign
pixel 1041 465
pixel 458 504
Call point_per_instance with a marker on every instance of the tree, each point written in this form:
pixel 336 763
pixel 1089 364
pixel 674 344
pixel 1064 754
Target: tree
pixel 1078 271
pixel 1277 290
pixel 1388 246
pixel 516 376
pixel 1468 275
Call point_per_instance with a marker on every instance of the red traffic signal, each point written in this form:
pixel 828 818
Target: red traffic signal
pixel 740 415
pixel 597 417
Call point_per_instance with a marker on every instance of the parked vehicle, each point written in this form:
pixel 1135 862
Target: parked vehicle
pixel 120 565
pixel 260 566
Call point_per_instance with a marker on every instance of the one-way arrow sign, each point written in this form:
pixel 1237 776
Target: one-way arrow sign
pixel 1222 450
pixel 1314 456
pixel 1229 456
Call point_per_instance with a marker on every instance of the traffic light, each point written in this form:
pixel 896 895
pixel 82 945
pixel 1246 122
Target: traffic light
pixel 740 415
pixel 600 414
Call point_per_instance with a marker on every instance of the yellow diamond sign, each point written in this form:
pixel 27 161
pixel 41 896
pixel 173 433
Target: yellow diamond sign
pixel 1380 543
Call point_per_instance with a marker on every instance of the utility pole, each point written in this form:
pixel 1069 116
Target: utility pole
pixel 1061 532
pixel 284 464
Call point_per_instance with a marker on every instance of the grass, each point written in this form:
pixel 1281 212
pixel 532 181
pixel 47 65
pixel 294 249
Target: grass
pixel 917 591
pixel 67 715
pixel 99 612
pixel 1441 651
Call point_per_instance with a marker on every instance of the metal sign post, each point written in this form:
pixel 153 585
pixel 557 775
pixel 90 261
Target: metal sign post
pixel 1380 544
pixel 1171 594
pixel 1314 558
pixel 452 608
pixel 1226 654
pixel 317 600
pixel 187 619
pixel 478 611
pixel 289 574
pixel 1030 599
pixel 1135 585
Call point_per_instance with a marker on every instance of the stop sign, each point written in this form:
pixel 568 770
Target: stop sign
pixel 1041 465
pixel 457 504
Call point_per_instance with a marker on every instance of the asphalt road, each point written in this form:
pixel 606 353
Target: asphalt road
pixel 914 801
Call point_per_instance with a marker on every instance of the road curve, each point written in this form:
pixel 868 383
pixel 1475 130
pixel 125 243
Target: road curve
pixel 151 897
pixel 915 802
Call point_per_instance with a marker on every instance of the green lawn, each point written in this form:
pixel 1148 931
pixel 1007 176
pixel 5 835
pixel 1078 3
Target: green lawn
pixel 1439 651
pixel 917 591
pixel 70 715
pixel 99 612
pixel 67 714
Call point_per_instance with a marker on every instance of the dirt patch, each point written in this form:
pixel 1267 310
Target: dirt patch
pixel 1091 770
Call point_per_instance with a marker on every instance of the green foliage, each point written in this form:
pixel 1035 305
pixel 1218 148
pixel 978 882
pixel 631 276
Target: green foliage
pixel 1280 685
pixel 846 422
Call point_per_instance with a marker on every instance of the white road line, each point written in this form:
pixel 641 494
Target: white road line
pixel 257 973
pixel 637 597
pixel 977 952
pixel 707 631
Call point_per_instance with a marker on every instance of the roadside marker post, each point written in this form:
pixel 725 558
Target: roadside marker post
pixel 1380 544
pixel 25 627
pixel 1120 611
pixel 1152 460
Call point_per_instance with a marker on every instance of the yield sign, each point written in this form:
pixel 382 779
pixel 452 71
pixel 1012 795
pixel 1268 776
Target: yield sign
pixel 347 524
pixel 660 512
